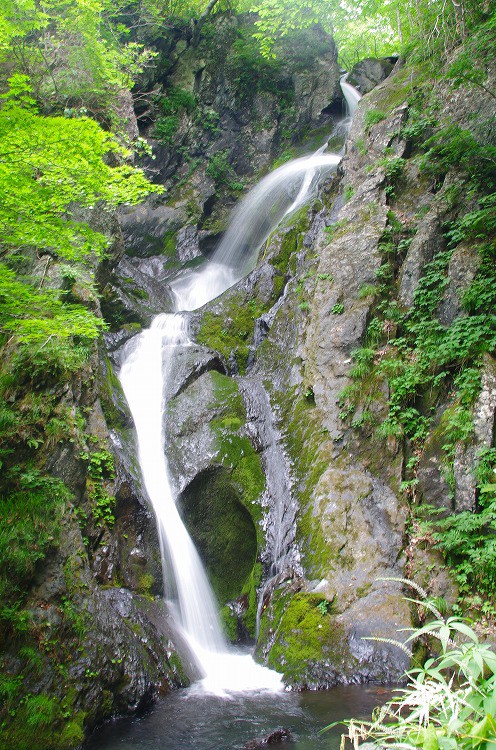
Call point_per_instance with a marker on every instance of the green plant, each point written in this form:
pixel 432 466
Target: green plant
pixel 393 169
pixel 348 193
pixel 100 470
pixel 166 128
pixel 447 704
pixel 222 172
pixel 373 117
pixel 30 519
pixel 337 309
pixel 367 290
pixel 171 106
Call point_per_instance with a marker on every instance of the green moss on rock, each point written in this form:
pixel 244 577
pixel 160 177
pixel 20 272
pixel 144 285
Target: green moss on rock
pixel 222 530
pixel 229 623
pixel 306 635
pixel 230 331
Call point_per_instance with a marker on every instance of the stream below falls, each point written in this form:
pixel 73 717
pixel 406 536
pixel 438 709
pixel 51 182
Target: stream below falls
pixel 188 720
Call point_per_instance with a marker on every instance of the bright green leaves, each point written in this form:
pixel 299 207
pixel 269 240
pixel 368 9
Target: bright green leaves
pixel 48 167
pixel 47 164
pixel 447 704
pixel 35 316
pixel 280 17
pixel 74 60
pixel 30 519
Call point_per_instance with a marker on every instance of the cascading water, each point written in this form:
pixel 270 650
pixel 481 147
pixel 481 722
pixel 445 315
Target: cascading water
pixel 144 377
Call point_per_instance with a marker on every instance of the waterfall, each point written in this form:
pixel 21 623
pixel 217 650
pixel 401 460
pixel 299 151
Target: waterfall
pixel 144 378
pixel 278 194
pixel 351 95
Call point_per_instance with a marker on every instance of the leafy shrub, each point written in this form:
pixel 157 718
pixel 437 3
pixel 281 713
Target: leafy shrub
pixel 251 72
pixel 30 519
pixel 166 128
pixel 453 148
pixel 171 106
pixel 447 704
pixel 222 173
pixel 100 469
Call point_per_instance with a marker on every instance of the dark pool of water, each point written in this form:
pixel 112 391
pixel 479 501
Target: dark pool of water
pixel 188 721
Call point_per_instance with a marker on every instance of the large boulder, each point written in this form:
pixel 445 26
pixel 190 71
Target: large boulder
pixel 367 73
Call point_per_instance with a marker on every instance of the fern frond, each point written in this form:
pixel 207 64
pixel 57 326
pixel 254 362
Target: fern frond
pixel 407 582
pixel 390 641
pixel 426 600
pixel 428 604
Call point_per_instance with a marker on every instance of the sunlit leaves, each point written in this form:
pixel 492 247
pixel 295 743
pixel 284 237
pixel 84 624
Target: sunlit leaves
pixel 36 315
pixel 48 164
pixel 74 58
pixel 447 704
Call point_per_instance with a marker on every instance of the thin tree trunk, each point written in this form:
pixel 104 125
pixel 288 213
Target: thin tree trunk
pixel 200 23
pixel 459 18
pixel 400 31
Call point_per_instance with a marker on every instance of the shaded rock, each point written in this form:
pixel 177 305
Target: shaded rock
pixel 366 74
pixel 126 116
pixel 188 243
pixel 484 431
pixel 428 241
pixel 313 56
pixel 189 363
pixel 222 530
pixel 146 229
pixel 461 272
pixel 431 472
pixel 274 738
pixel 139 290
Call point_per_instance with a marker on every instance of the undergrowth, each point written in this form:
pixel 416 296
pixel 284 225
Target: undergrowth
pixel 430 361
pixel 449 702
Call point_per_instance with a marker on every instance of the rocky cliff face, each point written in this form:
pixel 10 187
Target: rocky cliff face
pixel 218 119
pixel 89 636
pixel 273 419
pixel 287 384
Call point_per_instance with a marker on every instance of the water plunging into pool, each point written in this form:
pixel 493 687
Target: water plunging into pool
pixel 144 378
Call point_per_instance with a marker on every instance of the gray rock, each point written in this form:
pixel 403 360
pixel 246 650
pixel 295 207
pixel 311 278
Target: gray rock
pixel 366 74
pixel 484 430
pixel 428 241
pixel 145 228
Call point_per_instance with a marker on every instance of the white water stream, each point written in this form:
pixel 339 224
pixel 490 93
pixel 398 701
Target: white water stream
pixel 144 377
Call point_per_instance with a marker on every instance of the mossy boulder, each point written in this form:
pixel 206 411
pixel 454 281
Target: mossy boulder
pixel 306 639
pixel 222 530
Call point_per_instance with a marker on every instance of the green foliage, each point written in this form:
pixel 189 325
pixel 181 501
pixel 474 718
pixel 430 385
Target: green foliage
pixel 467 539
pixel 72 53
pixel 222 173
pixel 47 164
pixel 447 704
pixel 393 169
pixel 37 317
pixel 372 117
pixel 165 129
pixel 452 147
pixel 30 516
pixel 348 193
pixel 251 72
pixel 40 721
pixel 175 103
pixel 101 470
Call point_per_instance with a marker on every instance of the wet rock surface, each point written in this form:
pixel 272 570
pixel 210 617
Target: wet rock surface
pixel 276 737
